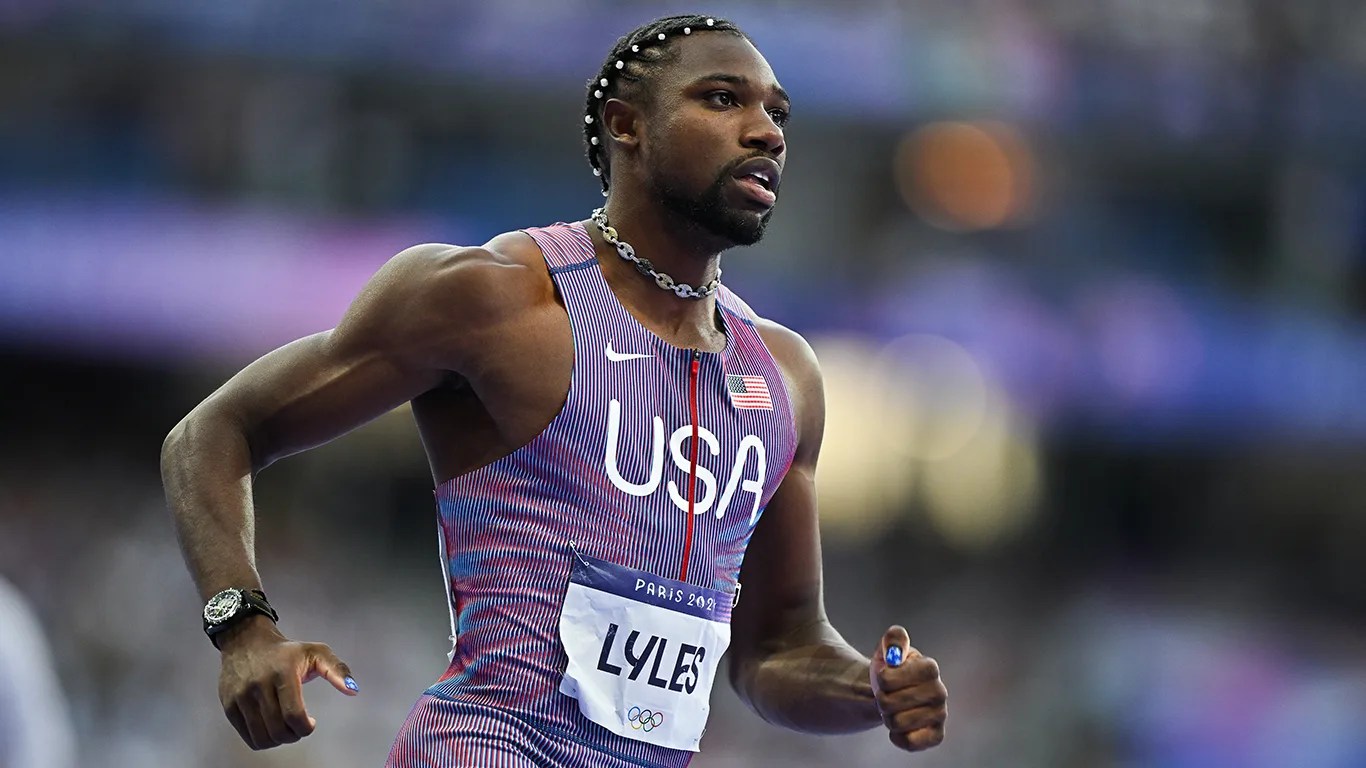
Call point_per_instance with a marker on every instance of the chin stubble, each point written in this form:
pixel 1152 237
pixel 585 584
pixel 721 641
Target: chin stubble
pixel 709 211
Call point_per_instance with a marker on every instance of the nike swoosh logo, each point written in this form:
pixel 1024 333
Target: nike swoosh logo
pixel 617 357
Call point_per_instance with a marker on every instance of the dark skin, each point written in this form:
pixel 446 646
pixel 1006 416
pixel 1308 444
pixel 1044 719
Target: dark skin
pixel 479 342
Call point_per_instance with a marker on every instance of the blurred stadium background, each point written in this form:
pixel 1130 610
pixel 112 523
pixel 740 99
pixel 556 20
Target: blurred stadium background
pixel 1087 278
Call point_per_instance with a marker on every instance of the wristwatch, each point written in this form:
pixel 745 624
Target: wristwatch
pixel 225 609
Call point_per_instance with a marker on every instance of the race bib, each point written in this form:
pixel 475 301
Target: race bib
pixel 643 651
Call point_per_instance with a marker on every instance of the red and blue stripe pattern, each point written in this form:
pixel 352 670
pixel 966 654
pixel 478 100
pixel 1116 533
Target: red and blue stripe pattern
pixel 611 475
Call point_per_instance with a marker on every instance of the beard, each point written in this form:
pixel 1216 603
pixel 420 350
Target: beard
pixel 709 210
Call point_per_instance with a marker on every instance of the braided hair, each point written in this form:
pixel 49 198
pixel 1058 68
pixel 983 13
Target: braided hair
pixel 628 66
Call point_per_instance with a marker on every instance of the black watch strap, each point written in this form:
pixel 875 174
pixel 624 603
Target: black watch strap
pixel 252 601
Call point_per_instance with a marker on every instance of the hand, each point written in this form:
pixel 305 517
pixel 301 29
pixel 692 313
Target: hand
pixel 261 683
pixel 911 697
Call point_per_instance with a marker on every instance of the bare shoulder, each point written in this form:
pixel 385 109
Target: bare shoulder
pixel 793 353
pixel 504 276
pixel 434 302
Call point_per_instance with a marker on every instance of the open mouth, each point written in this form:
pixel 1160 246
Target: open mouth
pixel 759 178
pixel 757 190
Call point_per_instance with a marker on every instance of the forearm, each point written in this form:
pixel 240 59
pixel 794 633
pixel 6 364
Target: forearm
pixel 816 683
pixel 206 470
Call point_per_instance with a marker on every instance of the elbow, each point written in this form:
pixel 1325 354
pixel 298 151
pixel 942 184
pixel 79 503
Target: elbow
pixel 172 448
pixel 735 675
pixel 207 431
pixel 741 672
pixel 744 675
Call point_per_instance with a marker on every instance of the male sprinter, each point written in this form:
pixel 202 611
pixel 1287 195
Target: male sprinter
pixel 612 433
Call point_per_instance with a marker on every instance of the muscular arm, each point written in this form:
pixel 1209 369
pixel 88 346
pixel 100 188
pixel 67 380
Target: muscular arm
pixel 789 664
pixel 431 312
pixel 424 314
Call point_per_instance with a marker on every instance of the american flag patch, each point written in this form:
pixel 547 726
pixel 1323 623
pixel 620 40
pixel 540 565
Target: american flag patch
pixel 749 392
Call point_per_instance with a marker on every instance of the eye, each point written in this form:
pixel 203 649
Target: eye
pixel 780 117
pixel 722 98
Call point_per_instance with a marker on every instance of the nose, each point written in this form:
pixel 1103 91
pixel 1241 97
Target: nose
pixel 764 134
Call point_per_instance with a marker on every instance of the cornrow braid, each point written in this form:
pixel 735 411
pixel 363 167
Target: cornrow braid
pixel 630 63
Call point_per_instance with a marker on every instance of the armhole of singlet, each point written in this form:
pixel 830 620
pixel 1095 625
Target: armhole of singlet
pixel 730 303
pixel 566 301
pixel 574 369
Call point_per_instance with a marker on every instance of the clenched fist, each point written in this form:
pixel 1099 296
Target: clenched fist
pixel 261 682
pixel 911 697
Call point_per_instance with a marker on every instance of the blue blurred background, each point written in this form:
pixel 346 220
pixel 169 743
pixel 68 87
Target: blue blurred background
pixel 1087 279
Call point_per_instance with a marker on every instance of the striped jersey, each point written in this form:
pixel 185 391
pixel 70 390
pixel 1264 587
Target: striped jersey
pixel 611 476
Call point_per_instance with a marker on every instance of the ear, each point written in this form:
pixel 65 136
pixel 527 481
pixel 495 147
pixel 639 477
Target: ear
pixel 622 123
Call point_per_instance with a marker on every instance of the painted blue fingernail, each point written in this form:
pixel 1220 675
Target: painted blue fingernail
pixel 894 656
pixel 351 684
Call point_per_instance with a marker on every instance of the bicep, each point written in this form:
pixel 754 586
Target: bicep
pixel 390 346
pixel 313 390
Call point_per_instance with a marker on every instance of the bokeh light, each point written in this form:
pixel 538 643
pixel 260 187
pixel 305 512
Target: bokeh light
pixel 861 483
pixel 936 385
pixel 964 176
pixel 988 490
pixel 916 423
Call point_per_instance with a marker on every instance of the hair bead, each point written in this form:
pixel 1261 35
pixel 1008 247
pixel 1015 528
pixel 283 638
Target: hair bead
pixel 664 32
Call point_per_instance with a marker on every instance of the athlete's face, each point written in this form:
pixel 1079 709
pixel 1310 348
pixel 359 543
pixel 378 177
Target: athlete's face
pixel 714 149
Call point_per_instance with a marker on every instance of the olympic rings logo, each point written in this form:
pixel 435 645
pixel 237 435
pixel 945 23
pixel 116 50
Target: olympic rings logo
pixel 644 719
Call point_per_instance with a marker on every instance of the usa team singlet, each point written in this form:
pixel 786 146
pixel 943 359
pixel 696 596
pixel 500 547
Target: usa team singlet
pixel 606 485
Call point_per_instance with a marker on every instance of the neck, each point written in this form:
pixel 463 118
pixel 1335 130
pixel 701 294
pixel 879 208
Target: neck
pixel 677 248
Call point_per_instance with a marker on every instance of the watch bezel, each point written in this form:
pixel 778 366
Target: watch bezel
pixel 223 606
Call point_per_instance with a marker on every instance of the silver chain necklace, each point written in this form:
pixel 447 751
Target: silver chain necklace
pixel 683 290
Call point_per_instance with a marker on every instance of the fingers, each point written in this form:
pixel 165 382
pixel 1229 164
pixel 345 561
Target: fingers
pixel 257 735
pixel 264 721
pixel 239 723
pixel 896 642
pixel 934 694
pixel 262 692
pixel 325 664
pixel 914 719
pixel 914 670
pixel 289 691
pixel 268 704
pixel 916 741
pixel 896 662
pixel 910 694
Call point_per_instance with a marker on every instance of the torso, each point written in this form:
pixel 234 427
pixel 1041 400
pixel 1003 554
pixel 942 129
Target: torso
pixel 550 445
pixel 483 415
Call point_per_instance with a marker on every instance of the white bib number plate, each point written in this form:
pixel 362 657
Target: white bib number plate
pixel 643 651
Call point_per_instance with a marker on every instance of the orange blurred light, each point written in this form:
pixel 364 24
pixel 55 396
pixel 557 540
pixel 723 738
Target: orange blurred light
pixel 965 176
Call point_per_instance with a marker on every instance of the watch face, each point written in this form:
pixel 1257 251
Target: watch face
pixel 222 606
